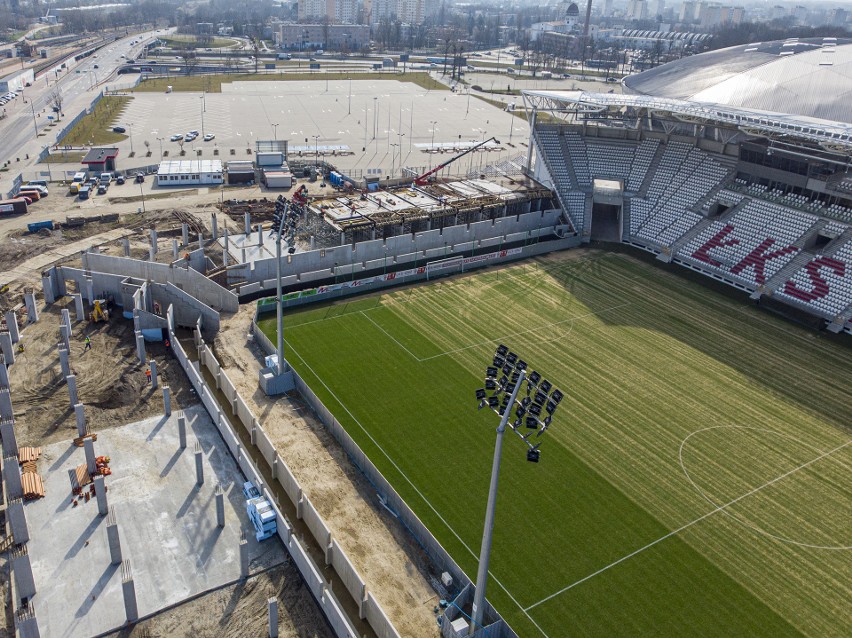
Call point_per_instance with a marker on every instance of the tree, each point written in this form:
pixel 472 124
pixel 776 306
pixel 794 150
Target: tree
pixel 55 99
pixel 255 51
pixel 147 148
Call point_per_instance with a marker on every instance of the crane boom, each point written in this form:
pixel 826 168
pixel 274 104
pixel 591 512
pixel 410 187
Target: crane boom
pixel 424 178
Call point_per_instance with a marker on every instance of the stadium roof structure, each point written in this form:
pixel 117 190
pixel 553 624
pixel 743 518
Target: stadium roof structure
pixel 808 77
pixel 830 135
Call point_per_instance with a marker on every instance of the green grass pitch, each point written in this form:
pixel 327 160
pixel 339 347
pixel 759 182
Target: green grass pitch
pixel 695 480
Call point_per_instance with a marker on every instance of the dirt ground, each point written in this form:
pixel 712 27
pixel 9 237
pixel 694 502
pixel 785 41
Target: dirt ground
pixel 241 610
pixel 385 555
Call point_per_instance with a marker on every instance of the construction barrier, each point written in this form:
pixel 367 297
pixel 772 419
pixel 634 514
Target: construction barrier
pixel 348 574
pixel 314 522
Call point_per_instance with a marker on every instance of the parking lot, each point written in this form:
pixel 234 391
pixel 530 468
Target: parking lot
pixel 337 118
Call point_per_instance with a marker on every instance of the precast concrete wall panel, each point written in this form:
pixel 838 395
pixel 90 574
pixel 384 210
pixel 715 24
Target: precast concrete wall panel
pixel 306 567
pixel 378 620
pixel 288 481
pixel 351 579
pixel 315 523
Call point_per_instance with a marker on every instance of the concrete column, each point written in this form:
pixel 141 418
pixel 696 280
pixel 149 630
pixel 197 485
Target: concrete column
pixel 65 336
pixel 247 220
pixel 214 226
pixel 6 411
pixel 128 589
pixel 224 257
pixel 200 239
pixel 6 347
pixel 185 234
pixel 342 238
pixel 244 556
pixel 4 375
pixel 220 506
pixel 112 538
pixel 90 291
pixel 32 309
pixel 154 240
pixel 225 233
pixel 78 306
pixel 18 521
pixel 89 449
pixel 174 249
pixel 275 467
pixel 272 603
pixel 259 235
pixel 153 365
pixel 71 380
pixel 126 243
pixel 10 441
pixel 182 431
pixel 47 287
pixel 313 242
pixel 199 465
pixel 63 361
pixel 152 255
pixel 101 495
pixel 167 400
pixel 12 326
pixel 80 414
pixel 243 254
pixel 12 476
pixel 140 348
pixel 66 319
pixel 23 571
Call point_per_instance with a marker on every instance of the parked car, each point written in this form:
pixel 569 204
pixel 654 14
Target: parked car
pixel 209 137
pixel 176 137
pixel 42 190
pixel 37 182
pixel 96 66
pixel 194 133
pixel 94 180
pixel 119 180
pixel 84 192
pixel 139 178
pixel 102 189
pixel 106 178
pixel 611 80
pixel 119 129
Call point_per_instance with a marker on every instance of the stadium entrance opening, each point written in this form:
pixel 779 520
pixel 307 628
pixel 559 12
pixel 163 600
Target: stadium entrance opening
pixel 607 204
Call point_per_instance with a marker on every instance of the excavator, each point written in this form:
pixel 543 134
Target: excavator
pixel 423 179
pixel 99 312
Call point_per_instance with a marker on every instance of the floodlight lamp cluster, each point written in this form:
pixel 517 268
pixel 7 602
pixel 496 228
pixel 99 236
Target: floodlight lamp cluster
pixel 534 411
pixel 284 219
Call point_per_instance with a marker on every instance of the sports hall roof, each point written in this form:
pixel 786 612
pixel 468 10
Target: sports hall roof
pixel 809 77
pixel 828 134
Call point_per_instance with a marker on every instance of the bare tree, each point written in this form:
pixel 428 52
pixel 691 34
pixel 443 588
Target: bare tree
pixel 255 51
pixel 190 60
pixel 55 98
pixel 147 148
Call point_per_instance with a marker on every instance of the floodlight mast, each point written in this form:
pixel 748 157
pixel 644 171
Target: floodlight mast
pixel 485 551
pixel 284 212
pixel 528 411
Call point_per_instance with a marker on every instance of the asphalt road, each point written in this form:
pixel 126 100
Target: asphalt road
pixel 79 83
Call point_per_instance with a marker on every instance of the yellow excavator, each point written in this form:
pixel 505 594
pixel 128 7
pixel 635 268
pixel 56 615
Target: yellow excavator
pixel 100 312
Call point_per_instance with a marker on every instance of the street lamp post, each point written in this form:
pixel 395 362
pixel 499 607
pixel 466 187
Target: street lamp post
pixel 130 136
pixel 142 192
pixel 400 136
pixel 202 115
pixel 540 397
pixel 316 149
pixel 160 140
pixel 393 158
pixel 432 144
pixel 275 131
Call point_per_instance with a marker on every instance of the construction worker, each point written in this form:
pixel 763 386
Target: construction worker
pixel 88 343
pixel 148 374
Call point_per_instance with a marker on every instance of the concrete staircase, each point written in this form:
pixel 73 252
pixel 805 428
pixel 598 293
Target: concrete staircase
pixel 652 170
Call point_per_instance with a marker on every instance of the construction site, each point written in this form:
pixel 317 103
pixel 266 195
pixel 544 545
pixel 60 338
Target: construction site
pixel 151 479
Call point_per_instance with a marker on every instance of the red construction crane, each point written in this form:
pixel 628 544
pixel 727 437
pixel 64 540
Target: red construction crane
pixel 424 178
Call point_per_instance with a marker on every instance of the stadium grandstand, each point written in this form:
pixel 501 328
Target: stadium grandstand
pixel 734 163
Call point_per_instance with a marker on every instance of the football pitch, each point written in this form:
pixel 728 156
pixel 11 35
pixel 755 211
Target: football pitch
pixel 695 480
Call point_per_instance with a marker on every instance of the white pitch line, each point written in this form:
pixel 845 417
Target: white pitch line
pixel 690 524
pixel 391 337
pixel 414 487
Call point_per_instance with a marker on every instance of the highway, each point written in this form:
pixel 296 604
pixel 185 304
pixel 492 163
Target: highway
pixel 79 83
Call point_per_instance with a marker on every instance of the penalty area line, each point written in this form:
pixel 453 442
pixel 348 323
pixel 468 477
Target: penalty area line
pixel 683 527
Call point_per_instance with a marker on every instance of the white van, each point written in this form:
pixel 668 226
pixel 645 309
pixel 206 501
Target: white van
pixel 80 177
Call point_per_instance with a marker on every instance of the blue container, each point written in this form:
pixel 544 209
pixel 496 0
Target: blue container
pixel 37 226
